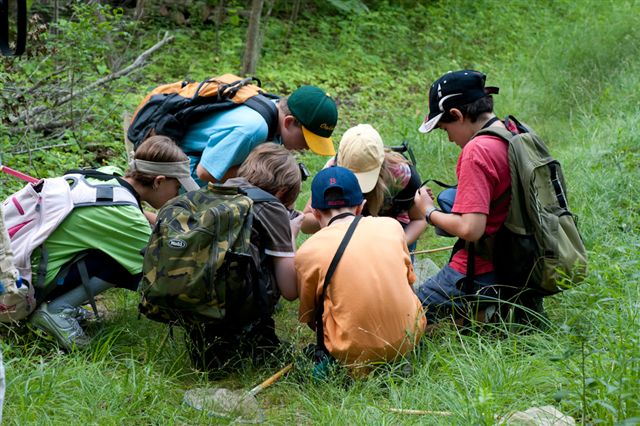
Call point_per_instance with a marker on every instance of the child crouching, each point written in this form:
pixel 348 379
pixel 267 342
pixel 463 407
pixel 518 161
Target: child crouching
pixel 366 311
pixel 274 170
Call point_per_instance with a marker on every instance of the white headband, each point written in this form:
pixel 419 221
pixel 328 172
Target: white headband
pixel 177 169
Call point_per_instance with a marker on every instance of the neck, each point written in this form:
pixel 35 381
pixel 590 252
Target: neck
pixel 481 122
pixel 340 217
pixel 488 120
pixel 330 217
pixel 140 189
pixel 474 127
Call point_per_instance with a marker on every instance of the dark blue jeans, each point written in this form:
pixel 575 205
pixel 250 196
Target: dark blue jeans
pixel 442 293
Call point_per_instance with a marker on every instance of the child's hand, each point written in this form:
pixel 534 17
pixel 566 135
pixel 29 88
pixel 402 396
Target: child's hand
pixel 430 192
pixel 295 222
pixel 423 200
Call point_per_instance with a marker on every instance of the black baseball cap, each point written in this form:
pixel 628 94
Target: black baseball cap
pixel 452 90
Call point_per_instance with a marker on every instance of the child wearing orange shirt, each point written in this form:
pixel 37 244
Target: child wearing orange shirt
pixel 367 311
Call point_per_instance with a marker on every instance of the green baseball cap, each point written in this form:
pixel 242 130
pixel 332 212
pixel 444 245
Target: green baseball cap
pixel 318 114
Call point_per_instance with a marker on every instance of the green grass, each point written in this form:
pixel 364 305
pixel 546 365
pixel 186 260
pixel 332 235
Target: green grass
pixel 568 69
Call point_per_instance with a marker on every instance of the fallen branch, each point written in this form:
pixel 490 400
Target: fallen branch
pixel 420 412
pixel 45 127
pixel 42 148
pixel 436 250
pixel 139 62
pixel 43 81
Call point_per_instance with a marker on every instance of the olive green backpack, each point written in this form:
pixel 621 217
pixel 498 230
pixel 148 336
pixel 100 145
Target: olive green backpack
pixel 539 246
pixel 200 265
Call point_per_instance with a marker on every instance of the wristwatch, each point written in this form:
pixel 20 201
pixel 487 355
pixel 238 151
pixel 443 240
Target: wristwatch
pixel 430 211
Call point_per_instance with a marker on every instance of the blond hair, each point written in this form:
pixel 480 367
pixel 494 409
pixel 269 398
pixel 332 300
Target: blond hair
pixel 376 197
pixel 159 149
pixel 273 168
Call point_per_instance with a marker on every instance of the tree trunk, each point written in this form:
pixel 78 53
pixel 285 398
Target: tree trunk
pixel 295 10
pixel 219 16
pixel 139 10
pixel 252 46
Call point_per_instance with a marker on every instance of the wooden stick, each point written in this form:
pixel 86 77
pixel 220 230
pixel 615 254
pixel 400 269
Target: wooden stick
pixel 271 380
pixel 420 412
pixel 436 250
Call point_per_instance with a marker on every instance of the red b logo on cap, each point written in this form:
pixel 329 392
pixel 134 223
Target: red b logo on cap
pixel 332 181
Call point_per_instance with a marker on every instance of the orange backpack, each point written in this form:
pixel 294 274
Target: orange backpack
pixel 170 109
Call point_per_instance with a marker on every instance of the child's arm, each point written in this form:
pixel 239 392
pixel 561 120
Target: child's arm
pixel 295 224
pixel 310 224
pixel 417 214
pixel 151 217
pixel 285 273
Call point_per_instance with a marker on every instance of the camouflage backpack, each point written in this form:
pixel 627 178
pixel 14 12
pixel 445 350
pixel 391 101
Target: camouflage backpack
pixel 200 265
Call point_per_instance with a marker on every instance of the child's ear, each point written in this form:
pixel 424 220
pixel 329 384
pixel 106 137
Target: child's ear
pixel 157 181
pixel 280 193
pixel 360 207
pixel 457 114
pixel 316 213
pixel 289 120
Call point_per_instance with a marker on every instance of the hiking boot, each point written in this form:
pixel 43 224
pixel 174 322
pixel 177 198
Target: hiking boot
pixel 529 311
pixel 61 325
pixel 80 314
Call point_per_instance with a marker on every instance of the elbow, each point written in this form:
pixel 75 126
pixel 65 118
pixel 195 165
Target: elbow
pixel 471 234
pixel 415 229
pixel 204 175
pixel 201 172
pixel 309 224
pixel 290 295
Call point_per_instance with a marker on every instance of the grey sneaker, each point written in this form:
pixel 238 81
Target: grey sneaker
pixel 82 315
pixel 62 325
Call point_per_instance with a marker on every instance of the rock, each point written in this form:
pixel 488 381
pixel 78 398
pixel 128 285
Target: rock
pixel 539 416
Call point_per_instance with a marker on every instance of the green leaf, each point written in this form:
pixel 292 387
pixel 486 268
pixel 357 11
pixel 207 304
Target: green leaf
pixel 102 69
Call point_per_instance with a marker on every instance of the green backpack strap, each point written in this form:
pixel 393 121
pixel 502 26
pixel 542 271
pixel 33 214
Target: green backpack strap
pixel 500 132
pixel 484 247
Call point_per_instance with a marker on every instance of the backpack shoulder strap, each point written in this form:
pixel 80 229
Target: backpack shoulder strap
pixel 259 195
pixel 503 134
pixel 264 106
pixel 327 279
pixel 104 195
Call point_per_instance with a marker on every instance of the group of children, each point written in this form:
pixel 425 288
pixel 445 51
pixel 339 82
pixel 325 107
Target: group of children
pixel 353 277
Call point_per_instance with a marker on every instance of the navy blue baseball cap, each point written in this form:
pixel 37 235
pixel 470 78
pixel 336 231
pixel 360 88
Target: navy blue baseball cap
pixel 452 90
pixel 335 177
